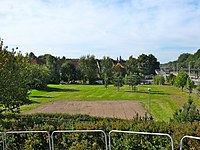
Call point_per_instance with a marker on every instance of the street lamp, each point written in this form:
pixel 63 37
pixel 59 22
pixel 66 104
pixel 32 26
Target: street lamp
pixel 149 91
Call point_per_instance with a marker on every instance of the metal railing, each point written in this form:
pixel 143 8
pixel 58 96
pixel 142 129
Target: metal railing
pixel 186 136
pixel 80 131
pixel 141 133
pixel 108 144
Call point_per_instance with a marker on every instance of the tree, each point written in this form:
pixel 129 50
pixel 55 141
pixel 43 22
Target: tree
pixel 88 67
pixel 68 71
pixel 106 80
pixel 181 79
pixel 189 84
pixel 171 79
pixel 132 80
pixel 14 79
pixel 147 64
pixel 189 113
pixel 118 81
pixel 52 64
pixel 106 69
pixel 39 76
pixel 132 65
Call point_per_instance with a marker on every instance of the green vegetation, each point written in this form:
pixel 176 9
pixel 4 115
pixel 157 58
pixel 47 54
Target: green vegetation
pixel 165 100
pixel 93 141
pixel 184 61
pixel 189 113
pixel 14 80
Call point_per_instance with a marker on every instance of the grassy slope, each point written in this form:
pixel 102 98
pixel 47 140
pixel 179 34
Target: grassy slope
pixel 164 99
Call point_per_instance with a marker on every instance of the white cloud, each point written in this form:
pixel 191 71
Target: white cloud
pixel 103 27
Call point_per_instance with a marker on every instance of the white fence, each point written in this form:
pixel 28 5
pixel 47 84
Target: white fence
pixel 107 142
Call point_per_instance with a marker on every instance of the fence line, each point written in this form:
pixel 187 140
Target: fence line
pixel 107 142
pixel 186 136
pixel 142 133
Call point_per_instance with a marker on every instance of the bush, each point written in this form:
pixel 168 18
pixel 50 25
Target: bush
pixel 52 122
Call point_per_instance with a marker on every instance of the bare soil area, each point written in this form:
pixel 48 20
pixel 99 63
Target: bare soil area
pixel 124 109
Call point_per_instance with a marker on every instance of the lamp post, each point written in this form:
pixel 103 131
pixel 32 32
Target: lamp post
pixel 149 91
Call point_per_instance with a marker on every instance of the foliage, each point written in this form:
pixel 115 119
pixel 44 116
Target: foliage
pixel 147 64
pixel 118 81
pixel 184 59
pixel 106 80
pixel 189 85
pixel 14 79
pixel 159 80
pixel 132 80
pixel 198 89
pixel 106 69
pixel 39 76
pixel 88 67
pixel 181 79
pixel 52 122
pixel 52 64
pixel 171 79
pixel 68 72
pixel 132 65
pixel 189 113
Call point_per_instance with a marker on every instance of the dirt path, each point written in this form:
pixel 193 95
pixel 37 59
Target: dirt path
pixel 118 109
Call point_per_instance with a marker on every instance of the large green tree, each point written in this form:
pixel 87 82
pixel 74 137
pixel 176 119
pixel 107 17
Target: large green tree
pixel 68 71
pixel 39 76
pixel 147 64
pixel 52 64
pixel 88 67
pixel 14 79
pixel 132 65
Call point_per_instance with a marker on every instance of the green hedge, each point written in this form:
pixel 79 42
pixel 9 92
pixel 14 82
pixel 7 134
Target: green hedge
pixel 52 122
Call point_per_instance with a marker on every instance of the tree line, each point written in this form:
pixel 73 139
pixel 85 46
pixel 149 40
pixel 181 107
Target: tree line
pixel 19 74
pixel 89 70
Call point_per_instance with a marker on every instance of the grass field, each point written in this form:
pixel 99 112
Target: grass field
pixel 164 99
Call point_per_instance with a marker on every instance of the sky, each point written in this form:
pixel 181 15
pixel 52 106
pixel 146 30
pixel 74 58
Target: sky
pixel 74 28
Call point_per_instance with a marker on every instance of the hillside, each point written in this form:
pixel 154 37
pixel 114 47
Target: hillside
pixel 184 60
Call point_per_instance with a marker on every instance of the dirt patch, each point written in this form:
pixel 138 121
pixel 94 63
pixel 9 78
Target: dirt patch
pixel 117 109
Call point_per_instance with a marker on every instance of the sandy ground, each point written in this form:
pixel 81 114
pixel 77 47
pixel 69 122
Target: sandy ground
pixel 117 109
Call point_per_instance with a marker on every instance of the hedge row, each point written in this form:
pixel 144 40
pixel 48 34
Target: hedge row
pixel 53 122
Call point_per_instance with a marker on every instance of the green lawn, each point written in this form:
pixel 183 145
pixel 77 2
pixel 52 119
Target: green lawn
pixel 164 99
